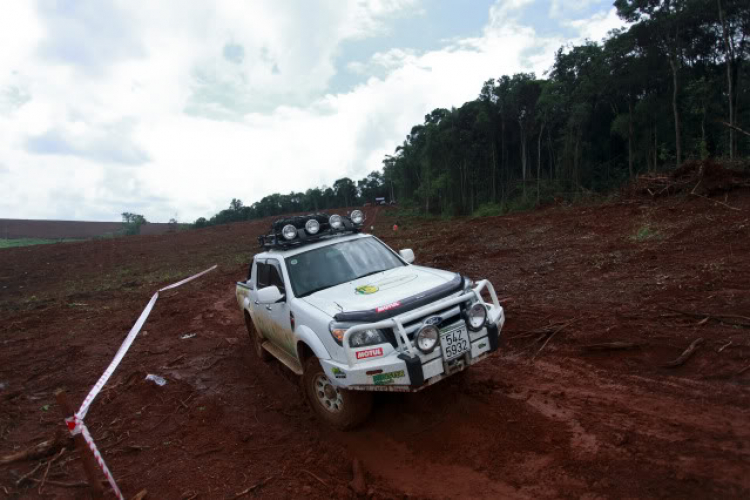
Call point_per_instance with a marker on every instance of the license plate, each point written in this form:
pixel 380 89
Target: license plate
pixel 454 343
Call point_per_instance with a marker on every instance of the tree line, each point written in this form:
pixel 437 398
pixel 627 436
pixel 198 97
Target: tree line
pixel 671 86
pixel 344 193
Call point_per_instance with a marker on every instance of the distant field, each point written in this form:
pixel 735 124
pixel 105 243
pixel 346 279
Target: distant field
pixel 25 242
pixel 57 230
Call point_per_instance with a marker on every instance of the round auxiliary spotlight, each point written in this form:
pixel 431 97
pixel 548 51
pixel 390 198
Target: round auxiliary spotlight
pixel 289 232
pixel 335 222
pixel 476 317
pixel 357 217
pixel 427 338
pixel 312 226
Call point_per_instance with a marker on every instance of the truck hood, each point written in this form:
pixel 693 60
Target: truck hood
pixel 379 292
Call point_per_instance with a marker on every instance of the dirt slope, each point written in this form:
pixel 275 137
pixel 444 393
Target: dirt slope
pixel 561 419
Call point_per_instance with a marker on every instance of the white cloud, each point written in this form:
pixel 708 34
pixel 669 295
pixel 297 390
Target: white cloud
pixel 210 101
pixel 563 8
pixel 598 26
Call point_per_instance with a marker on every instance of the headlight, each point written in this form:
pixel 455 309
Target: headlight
pixel 468 283
pixel 289 232
pixel 476 317
pixel 358 339
pixel 427 338
pixel 365 338
pixel 357 217
pixel 312 226
pixel 335 221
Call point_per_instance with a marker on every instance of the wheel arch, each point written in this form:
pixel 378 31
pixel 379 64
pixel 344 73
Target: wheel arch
pixel 308 344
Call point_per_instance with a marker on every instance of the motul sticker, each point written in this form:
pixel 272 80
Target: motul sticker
pixel 370 353
pixel 388 307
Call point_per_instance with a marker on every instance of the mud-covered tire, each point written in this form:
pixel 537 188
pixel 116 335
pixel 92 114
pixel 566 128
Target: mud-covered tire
pixel 338 408
pixel 256 341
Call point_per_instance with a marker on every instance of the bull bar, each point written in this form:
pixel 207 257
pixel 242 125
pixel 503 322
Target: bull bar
pixel 397 322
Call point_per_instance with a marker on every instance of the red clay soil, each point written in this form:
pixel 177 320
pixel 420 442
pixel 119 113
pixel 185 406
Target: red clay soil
pixel 579 402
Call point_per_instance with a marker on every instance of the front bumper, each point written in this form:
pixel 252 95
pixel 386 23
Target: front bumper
pixel 405 368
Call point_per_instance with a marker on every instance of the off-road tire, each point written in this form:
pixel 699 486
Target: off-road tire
pixel 256 341
pixel 353 407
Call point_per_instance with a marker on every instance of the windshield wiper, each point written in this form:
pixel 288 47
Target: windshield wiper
pixel 370 274
pixel 315 290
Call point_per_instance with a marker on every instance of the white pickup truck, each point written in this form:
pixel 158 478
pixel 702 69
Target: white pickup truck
pixel 352 316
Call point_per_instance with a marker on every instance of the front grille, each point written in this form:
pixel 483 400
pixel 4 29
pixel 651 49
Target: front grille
pixel 448 317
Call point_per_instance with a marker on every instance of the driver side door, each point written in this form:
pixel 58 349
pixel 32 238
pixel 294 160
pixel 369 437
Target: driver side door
pixel 279 313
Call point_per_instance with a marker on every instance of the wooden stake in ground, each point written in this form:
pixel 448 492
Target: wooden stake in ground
pixel 87 458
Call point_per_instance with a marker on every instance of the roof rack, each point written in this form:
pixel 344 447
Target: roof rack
pixel 275 238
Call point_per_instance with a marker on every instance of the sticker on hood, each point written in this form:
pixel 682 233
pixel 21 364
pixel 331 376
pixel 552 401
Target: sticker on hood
pixel 384 284
pixel 388 307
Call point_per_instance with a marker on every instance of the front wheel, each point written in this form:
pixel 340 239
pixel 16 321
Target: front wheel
pixel 337 407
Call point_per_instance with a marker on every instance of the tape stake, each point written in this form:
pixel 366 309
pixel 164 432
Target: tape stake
pixel 75 423
pixel 100 461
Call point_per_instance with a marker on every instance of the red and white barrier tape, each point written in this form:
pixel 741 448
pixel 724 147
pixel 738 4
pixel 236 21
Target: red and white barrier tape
pixel 75 423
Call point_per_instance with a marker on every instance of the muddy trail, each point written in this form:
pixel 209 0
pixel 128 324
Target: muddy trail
pixel 589 396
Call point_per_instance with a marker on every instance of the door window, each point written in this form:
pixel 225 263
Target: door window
pixel 275 277
pixel 262 276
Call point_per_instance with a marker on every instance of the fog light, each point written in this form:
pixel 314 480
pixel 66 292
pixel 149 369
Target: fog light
pixel 427 338
pixel 335 221
pixel 476 317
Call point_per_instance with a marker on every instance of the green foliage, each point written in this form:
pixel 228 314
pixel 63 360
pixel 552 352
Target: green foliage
pixel 488 210
pixel 131 223
pixel 24 242
pixel 641 100
pixel 645 232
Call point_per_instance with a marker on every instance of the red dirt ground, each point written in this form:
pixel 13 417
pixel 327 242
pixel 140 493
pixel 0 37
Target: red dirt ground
pixel 536 420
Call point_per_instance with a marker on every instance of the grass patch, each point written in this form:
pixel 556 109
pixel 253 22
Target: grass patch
pixel 25 242
pixel 488 210
pixel 646 232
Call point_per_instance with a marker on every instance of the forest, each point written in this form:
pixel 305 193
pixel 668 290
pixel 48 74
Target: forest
pixel 670 87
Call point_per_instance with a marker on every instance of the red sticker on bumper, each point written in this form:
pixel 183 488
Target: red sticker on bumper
pixel 388 307
pixel 370 353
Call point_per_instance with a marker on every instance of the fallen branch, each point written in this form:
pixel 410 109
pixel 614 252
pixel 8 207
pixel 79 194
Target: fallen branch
pixel 685 355
pixel 140 495
pixel 552 335
pixel 721 318
pixel 253 487
pixel 735 127
pixel 44 478
pixel 40 450
pixel 28 475
pixel 718 202
pixel 78 484
pixel 724 346
pixel 316 477
pixel 612 346
pixel 176 360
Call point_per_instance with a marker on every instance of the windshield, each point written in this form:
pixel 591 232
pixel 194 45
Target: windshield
pixel 329 266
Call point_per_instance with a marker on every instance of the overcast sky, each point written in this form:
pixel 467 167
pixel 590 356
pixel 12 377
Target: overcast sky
pixel 173 108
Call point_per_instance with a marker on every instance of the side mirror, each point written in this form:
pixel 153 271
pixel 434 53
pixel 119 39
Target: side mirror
pixel 407 254
pixel 269 295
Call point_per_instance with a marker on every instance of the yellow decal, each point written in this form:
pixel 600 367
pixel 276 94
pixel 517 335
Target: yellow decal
pixel 366 289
